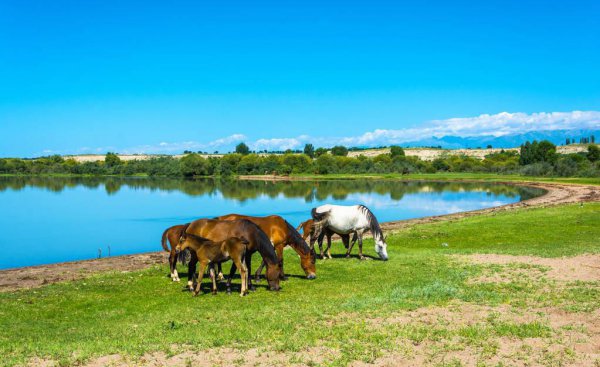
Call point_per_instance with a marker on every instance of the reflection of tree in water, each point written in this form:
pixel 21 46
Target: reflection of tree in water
pixel 242 190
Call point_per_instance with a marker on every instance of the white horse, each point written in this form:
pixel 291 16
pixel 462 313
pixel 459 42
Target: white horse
pixel 344 220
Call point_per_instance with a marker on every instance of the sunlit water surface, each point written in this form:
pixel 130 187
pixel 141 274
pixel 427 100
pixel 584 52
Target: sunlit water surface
pixel 47 220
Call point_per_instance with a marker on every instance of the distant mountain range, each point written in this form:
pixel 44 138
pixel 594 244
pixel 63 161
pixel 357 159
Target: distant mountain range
pixel 557 137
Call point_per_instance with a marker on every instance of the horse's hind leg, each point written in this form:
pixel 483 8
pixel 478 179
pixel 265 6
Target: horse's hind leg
pixel 231 274
pixel 173 266
pixel 244 276
pixel 213 279
pixel 320 242
pixel 360 243
pixel 259 271
pixel 328 249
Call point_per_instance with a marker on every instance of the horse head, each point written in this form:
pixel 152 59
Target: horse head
pixel 381 248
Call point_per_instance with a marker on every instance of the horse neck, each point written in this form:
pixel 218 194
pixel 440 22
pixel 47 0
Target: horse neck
pixel 298 244
pixel 265 249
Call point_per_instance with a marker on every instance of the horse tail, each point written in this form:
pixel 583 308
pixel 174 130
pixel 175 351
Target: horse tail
pixel 163 241
pixel 184 256
pixel 318 221
pixel 317 216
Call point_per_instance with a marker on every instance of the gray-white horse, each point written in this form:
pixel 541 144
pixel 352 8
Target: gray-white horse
pixel 344 220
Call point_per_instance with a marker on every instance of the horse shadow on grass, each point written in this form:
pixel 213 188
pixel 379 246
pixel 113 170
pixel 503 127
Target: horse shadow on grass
pixel 343 256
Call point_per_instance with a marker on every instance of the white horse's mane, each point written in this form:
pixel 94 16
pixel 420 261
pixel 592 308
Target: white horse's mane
pixel 373 223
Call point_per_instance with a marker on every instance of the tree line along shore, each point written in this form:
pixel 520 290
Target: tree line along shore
pixel 530 159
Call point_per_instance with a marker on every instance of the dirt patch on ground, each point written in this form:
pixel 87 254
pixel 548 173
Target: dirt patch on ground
pixel 578 268
pixel 570 339
pixel 217 357
pixel 36 276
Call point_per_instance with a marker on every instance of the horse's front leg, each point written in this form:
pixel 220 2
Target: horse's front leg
pixel 249 271
pixel 220 277
pixel 259 271
pixel 279 251
pixel 351 245
pixel 231 274
pixel 203 265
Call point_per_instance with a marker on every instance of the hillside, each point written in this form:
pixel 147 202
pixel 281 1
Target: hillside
pixel 426 154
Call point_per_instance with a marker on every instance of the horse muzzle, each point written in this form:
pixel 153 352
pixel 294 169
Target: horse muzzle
pixel 311 276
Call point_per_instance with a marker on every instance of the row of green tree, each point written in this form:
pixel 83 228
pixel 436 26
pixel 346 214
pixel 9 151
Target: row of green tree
pixel 534 159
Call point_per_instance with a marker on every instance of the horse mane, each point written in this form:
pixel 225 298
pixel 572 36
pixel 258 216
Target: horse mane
pixel 295 238
pixel 373 223
pixel 263 243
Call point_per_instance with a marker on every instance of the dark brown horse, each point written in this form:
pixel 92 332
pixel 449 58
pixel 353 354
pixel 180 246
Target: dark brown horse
pixel 173 234
pixel 220 230
pixel 281 233
pixel 207 252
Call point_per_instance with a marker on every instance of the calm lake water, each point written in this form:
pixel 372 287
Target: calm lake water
pixel 47 220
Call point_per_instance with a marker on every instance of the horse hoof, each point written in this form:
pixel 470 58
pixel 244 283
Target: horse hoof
pixel 195 294
pixel 228 291
pixel 347 256
pixel 362 258
pixel 252 288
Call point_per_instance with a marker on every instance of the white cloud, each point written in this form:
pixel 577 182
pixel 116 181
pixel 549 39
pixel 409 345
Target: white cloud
pixel 500 124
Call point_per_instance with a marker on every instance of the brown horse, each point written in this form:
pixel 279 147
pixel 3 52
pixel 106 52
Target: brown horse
pixel 308 231
pixel 281 233
pixel 207 252
pixel 220 230
pixel 173 234
pixel 306 227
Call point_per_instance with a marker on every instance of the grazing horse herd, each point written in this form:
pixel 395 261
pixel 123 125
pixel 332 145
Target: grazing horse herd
pixel 235 237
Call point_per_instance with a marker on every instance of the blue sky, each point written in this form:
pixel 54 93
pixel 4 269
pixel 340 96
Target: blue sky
pixel 91 76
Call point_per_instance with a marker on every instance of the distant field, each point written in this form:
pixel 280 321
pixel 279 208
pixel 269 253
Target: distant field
pixel 426 154
pixel 451 294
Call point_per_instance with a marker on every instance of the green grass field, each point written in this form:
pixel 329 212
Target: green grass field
pixel 139 312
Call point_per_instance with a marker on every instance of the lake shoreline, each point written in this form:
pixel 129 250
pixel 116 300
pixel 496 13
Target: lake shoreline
pixel 39 275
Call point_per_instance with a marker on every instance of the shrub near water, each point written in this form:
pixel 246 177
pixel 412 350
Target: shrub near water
pixel 536 159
